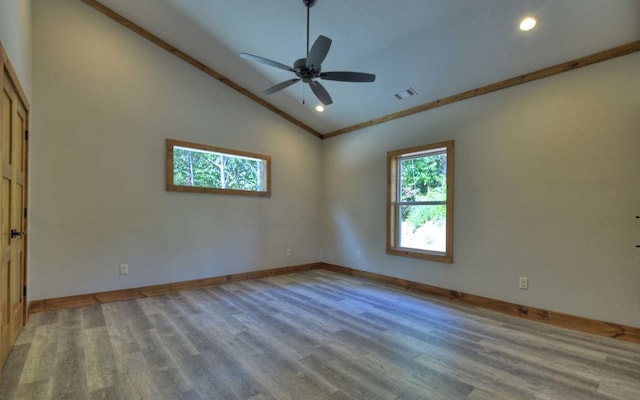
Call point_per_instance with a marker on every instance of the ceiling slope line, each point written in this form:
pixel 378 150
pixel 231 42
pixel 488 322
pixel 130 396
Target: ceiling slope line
pixel 195 63
pixel 614 52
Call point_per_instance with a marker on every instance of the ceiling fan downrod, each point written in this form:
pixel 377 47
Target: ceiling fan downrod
pixel 308 4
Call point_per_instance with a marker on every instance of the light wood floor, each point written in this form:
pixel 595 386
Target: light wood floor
pixel 312 335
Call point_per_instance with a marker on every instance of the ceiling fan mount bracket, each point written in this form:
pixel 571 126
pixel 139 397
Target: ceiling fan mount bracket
pixel 309 3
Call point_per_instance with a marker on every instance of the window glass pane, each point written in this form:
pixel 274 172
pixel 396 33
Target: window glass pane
pixel 423 227
pixel 200 168
pixel 420 202
pixel 423 178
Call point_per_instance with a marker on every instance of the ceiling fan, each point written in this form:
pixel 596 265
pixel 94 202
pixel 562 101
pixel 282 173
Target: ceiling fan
pixel 309 69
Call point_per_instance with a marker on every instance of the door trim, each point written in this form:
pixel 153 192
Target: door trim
pixel 6 65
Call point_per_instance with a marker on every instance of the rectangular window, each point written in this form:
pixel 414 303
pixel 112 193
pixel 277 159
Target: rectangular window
pixel 200 168
pixel 420 202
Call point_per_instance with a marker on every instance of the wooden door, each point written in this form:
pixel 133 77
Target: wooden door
pixel 13 191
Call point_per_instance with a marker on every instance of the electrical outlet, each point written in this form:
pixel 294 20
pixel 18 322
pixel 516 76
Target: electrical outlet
pixel 124 269
pixel 288 252
pixel 358 254
pixel 524 283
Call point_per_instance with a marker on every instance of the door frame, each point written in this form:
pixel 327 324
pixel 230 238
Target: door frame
pixel 6 65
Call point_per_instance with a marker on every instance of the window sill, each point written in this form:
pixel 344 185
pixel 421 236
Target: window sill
pixel 422 255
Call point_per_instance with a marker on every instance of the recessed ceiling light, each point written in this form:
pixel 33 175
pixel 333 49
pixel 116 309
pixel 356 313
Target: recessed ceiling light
pixel 319 108
pixel 528 23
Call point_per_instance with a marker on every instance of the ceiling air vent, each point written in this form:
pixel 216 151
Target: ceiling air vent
pixel 403 94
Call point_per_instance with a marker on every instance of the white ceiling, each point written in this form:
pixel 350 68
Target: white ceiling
pixel 437 47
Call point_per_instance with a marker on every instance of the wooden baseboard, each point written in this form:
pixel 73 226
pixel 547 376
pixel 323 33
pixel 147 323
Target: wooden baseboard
pixel 84 300
pixel 596 327
pixel 601 328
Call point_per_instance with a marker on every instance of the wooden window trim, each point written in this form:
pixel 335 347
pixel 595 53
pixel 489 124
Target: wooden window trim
pixel 392 186
pixel 179 188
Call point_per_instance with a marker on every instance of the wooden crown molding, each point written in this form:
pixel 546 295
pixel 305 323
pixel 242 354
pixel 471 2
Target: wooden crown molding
pixel 504 84
pixel 507 83
pixel 197 64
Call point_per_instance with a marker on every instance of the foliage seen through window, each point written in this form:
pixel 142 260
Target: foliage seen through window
pixel 420 202
pixel 201 168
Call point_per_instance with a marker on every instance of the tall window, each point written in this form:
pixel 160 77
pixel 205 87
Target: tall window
pixel 200 168
pixel 420 202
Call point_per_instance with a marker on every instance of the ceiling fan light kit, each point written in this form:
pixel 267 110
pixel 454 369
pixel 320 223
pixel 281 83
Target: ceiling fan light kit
pixel 309 69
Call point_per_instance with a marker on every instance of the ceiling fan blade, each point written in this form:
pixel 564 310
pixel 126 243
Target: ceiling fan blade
pixel 318 52
pixel 280 86
pixel 320 92
pixel 265 61
pixel 346 76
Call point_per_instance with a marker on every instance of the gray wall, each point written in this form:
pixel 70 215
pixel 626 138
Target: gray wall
pixel 547 184
pixel 547 179
pixel 106 99
pixel 15 35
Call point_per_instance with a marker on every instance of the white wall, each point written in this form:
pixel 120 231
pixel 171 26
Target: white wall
pixel 15 35
pixel 547 186
pixel 106 99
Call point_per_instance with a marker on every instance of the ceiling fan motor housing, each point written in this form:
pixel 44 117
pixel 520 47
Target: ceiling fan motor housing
pixel 309 3
pixel 303 72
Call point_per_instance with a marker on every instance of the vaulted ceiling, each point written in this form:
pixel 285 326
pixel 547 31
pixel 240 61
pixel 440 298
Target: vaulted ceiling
pixel 437 47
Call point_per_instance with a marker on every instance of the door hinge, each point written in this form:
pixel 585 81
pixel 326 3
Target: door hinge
pixel 24 290
pixel 25 213
pixel 26 134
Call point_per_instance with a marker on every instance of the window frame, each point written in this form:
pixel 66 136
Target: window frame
pixel 171 187
pixel 393 200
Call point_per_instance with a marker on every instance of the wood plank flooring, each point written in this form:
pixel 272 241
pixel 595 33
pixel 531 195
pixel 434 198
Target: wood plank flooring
pixel 309 335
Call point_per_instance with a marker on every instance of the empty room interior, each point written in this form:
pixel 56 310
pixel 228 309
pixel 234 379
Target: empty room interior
pixel 301 199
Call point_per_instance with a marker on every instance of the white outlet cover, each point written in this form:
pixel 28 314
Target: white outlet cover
pixel 524 283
